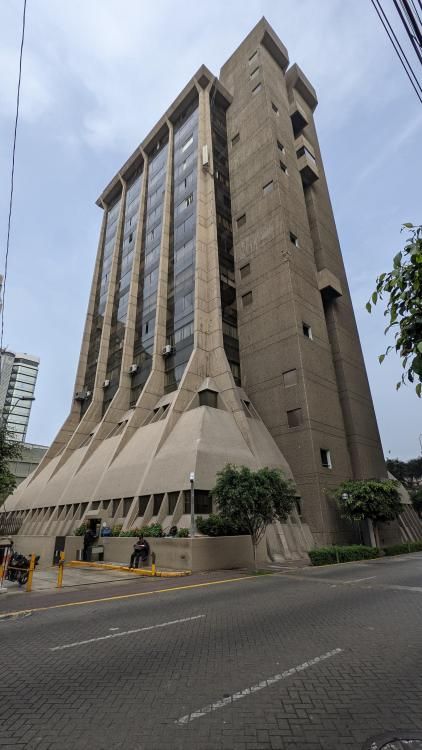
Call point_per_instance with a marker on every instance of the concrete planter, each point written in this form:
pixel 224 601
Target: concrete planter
pixel 200 553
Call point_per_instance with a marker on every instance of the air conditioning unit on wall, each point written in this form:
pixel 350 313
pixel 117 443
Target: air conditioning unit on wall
pixel 168 349
pixel 133 369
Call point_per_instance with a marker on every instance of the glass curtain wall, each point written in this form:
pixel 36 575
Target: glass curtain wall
pixel 121 297
pixel 181 292
pixel 21 387
pixel 148 285
pixel 100 301
pixel 225 237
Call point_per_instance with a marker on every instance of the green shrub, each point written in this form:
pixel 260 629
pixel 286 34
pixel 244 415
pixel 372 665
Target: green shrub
pixel 216 525
pixel 403 549
pixel 336 554
pixel 80 530
pixel 116 530
pixel 183 532
pixel 154 530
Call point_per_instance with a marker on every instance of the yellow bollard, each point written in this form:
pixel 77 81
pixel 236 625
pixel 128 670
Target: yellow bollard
pixel 30 573
pixel 153 568
pixel 60 571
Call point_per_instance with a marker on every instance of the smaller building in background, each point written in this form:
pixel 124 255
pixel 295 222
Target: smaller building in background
pixel 18 377
pixel 31 456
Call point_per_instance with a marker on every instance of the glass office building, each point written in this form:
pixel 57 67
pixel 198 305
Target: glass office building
pixel 18 377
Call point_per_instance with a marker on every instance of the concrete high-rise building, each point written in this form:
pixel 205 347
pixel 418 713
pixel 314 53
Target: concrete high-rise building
pixel 220 326
pixel 18 376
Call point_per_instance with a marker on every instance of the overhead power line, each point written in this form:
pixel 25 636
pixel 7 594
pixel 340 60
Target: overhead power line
pixel 410 25
pixel 398 48
pixel 12 176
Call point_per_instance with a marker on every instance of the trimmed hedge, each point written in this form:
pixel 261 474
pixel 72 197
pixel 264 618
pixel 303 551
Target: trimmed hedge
pixel 154 530
pixel 403 549
pixel 336 554
pixel 216 525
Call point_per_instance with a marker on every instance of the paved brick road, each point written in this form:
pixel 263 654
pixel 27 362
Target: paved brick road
pixel 143 687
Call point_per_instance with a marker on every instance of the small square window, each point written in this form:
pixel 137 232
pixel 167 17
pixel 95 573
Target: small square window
pixel 275 108
pixel 307 330
pixel 257 88
pixel 254 73
pixel 283 167
pixel 294 417
pixel 293 239
pixel 289 378
pixel 245 270
pixel 235 139
pixel 253 57
pixel 326 458
pixel 268 187
pixel 241 220
pixel 247 299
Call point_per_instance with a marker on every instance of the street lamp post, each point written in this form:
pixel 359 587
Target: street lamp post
pixel 192 503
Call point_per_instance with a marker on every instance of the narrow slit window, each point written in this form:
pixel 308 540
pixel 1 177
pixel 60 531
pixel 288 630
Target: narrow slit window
pixel 247 299
pixel 293 239
pixel 326 458
pixel 289 378
pixel 257 88
pixel 253 57
pixel 307 330
pixel 254 72
pixel 241 220
pixel 268 187
pixel 283 167
pixel 294 417
pixel 274 108
pixel 235 139
pixel 245 270
pixel 280 147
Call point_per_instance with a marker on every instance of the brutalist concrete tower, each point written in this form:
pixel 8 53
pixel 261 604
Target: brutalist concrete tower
pixel 220 326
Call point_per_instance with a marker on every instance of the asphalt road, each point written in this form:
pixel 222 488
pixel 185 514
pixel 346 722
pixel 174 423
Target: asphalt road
pixel 308 660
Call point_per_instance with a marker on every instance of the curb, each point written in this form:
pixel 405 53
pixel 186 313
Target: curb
pixel 126 569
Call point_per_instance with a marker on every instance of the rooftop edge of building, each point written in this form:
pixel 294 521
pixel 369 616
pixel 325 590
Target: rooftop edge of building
pixel 265 35
pixel 203 77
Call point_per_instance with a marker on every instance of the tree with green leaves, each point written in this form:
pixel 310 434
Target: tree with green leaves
pixel 377 500
pixel 253 499
pixel 403 286
pixel 408 473
pixel 10 450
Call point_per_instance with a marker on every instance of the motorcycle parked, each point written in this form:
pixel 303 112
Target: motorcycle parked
pixel 18 568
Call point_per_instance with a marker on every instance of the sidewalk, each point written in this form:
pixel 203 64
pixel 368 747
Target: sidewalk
pixel 46 579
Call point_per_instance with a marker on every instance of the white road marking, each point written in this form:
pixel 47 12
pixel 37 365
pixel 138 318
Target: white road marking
pixel 124 632
pixel 255 688
pixel 358 580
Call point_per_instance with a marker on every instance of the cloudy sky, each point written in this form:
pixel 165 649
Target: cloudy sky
pixel 98 74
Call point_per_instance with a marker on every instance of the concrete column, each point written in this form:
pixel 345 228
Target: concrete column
pixel 93 416
pixel 120 404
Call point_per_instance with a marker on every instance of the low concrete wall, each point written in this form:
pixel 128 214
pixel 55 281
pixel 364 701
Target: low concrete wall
pixel 39 545
pixel 200 553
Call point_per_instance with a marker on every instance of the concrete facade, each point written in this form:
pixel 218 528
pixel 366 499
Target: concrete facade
pixel 219 326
